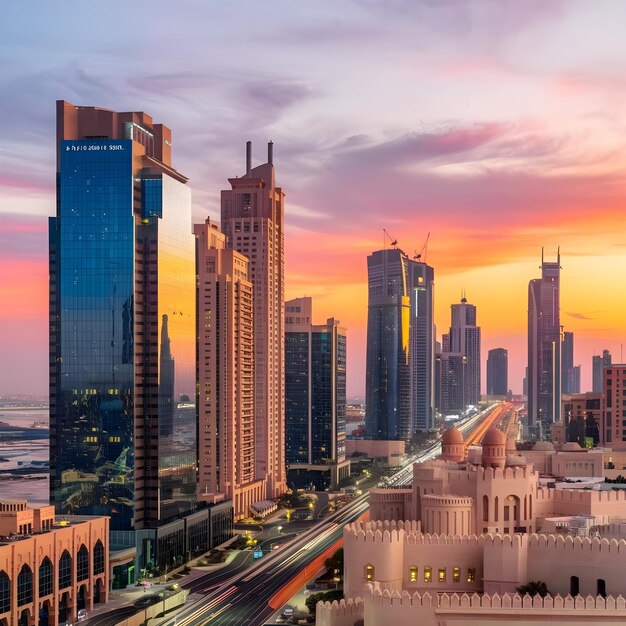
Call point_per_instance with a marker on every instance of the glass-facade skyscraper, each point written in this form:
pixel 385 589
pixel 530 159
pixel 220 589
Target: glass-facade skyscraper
pixel 123 427
pixel 544 345
pixel 315 398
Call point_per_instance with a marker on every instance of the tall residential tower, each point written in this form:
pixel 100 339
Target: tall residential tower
pixel 253 221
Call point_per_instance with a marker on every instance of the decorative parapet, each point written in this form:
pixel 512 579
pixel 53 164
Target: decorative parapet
pixel 455 601
pixel 504 473
pixel 594 545
pixel 339 613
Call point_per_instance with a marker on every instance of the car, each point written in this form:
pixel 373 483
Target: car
pixel 287 612
pixel 81 616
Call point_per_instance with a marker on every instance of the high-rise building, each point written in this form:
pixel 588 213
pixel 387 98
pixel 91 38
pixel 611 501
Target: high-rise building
pixel 613 405
pixel 461 359
pixel 421 279
pixel 253 221
pixel 225 389
pixel 498 372
pixel 598 364
pixel 315 398
pixel 544 346
pixel 123 427
pixel 400 368
pixel 570 373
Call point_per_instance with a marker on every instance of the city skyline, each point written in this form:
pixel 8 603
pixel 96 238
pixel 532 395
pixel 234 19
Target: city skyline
pixel 503 151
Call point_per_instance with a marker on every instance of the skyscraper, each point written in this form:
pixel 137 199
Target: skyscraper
pixel 123 436
pixel 225 374
pixel 498 372
pixel 400 369
pixel 544 345
pixel 460 370
pixel 253 221
pixel 598 364
pixel 422 345
pixel 315 398
pixel 570 374
pixel 388 376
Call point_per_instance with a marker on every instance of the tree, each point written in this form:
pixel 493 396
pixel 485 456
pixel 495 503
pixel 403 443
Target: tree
pixel 334 563
pixel 533 588
pixel 322 596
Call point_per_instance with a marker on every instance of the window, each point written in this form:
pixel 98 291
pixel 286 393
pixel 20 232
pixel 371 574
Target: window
pixel 5 593
pixel 25 586
pixel 456 574
pixel 369 572
pixel 82 563
pixel 65 570
pixel 442 574
pixel 471 574
pixel 98 558
pixel 413 574
pixel 428 574
pixel 45 578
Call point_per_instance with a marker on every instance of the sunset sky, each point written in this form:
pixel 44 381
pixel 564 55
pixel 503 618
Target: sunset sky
pixel 499 126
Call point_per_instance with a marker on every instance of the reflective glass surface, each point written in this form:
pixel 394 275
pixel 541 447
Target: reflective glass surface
pixel 297 397
pixel 92 424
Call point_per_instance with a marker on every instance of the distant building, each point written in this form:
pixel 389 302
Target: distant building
pixel 460 361
pixel 498 372
pixel 614 406
pixel 544 346
pixel 253 220
pixel 50 568
pixel 570 373
pixel 598 364
pixel 315 398
pixel 226 468
pixel 582 418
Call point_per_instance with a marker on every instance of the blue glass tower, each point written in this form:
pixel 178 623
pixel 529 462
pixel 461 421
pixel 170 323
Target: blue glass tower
pixel 123 424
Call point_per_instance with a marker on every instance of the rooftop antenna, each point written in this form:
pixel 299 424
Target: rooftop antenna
pixel 270 152
pixel 248 157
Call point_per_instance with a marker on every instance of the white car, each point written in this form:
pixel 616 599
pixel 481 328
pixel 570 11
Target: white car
pixel 81 616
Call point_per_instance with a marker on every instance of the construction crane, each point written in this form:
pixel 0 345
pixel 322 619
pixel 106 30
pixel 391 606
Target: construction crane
pixel 422 251
pixel 394 242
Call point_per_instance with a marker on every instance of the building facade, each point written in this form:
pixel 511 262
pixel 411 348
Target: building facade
pixel 315 398
pixel 253 222
pixel 614 405
pixel 570 373
pixel 123 424
pixel 582 418
pixel 599 362
pixel 498 372
pixel 460 372
pixel 226 462
pixel 50 568
pixel 544 346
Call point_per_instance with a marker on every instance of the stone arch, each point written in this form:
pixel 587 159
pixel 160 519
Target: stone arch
pixel 46 578
pixel 65 571
pixel 5 592
pixel 82 563
pixel 24 617
pixel 24 586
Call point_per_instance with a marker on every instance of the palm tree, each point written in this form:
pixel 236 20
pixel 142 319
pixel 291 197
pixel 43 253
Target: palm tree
pixel 534 587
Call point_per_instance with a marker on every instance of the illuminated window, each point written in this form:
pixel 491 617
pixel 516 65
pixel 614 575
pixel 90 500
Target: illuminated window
pixel 442 574
pixel 413 574
pixel 456 574
pixel 428 574
pixel 369 572
pixel 471 574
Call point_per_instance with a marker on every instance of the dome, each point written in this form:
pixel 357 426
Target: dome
pixel 494 437
pixel 452 436
pixel 544 446
pixel 571 446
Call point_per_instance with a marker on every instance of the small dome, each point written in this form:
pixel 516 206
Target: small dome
pixel 544 446
pixel 494 437
pixel 452 436
pixel 571 446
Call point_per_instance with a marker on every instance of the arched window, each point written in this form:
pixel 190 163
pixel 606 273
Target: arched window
pixel 24 586
pixel 46 582
pixel 98 558
pixel 485 508
pixel 82 563
pixel 368 574
pixel 495 509
pixel 5 593
pixel 574 586
pixel 413 574
pixel 65 570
